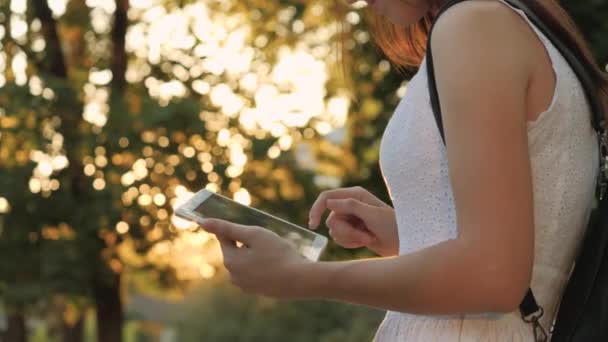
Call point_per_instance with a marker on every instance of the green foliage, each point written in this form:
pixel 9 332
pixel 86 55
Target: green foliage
pixel 217 312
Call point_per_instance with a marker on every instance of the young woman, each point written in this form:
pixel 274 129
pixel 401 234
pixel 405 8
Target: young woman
pixel 503 207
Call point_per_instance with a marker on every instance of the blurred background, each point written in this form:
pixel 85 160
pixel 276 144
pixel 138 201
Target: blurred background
pixel 113 112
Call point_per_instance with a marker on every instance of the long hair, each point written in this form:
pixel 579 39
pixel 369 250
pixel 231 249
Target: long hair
pixel 406 47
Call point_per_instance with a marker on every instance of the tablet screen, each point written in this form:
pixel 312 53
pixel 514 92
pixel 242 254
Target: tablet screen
pixel 216 206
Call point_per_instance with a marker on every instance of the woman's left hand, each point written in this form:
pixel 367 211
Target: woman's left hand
pixel 265 264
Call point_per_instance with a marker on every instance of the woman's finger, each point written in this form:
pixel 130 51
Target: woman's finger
pixel 350 206
pixel 320 205
pixel 355 225
pixel 342 238
pixel 346 235
pixel 331 219
pixel 225 243
pixel 229 249
pixel 229 230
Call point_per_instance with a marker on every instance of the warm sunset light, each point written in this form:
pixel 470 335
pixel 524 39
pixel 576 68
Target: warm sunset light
pixel 113 113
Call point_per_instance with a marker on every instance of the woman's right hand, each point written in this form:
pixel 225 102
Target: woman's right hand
pixel 357 219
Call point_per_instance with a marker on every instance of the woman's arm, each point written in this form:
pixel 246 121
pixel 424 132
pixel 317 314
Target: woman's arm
pixel 483 66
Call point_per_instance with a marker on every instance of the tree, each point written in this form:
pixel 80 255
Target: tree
pixel 123 152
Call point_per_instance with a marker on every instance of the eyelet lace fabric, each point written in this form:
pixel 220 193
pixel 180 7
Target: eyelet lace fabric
pixel 563 153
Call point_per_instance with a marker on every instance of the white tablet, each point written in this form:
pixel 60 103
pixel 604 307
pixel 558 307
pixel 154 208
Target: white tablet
pixel 207 204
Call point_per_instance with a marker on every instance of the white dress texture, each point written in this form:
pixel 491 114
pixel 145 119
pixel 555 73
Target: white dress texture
pixel 564 160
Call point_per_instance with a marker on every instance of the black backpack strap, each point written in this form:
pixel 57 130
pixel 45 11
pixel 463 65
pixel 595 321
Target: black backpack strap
pixel 530 310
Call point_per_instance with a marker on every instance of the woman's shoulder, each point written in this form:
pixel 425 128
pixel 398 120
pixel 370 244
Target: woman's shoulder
pixel 481 11
pixel 484 31
pixel 490 23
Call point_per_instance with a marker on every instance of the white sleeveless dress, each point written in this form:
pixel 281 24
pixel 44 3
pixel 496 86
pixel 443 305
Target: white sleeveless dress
pixel 564 158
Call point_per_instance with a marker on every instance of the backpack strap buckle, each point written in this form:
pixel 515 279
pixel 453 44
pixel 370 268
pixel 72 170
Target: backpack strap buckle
pixel 540 334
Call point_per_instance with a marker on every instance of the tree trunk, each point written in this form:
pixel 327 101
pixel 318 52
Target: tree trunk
pixel 119 34
pixel 74 333
pixel 16 327
pixel 71 117
pixel 107 293
pixel 55 63
pixel 109 310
